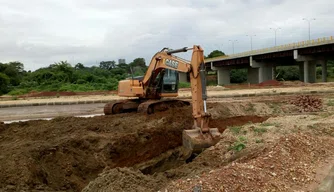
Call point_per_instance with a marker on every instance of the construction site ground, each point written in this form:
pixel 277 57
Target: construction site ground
pixel 269 143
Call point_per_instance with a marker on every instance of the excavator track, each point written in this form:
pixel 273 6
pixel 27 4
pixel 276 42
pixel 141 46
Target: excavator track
pixel 122 106
pixel 152 106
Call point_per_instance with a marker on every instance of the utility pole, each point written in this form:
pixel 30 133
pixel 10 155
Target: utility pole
pixel 275 29
pixel 251 40
pixel 309 26
pixel 233 41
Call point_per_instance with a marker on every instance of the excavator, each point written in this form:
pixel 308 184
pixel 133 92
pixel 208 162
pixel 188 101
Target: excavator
pixel 150 93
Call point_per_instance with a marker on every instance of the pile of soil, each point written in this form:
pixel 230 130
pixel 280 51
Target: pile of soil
pixel 307 103
pixel 66 153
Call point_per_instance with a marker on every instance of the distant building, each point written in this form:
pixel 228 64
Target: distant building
pixel 121 61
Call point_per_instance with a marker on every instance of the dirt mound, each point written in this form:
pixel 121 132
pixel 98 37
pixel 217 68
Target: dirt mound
pixel 307 103
pixel 287 165
pixel 66 153
pixel 122 179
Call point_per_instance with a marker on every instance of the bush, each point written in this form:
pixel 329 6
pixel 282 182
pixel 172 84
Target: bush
pixel 238 75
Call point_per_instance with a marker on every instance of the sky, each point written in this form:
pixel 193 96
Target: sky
pixel 41 32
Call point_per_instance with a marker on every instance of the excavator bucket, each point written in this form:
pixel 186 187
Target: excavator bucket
pixel 196 141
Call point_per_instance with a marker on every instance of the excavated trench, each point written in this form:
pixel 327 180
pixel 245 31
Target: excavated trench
pixel 178 156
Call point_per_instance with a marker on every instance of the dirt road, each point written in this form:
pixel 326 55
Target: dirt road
pixel 35 112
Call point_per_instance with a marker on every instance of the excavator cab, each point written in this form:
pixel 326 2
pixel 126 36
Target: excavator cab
pixel 170 81
pixel 167 82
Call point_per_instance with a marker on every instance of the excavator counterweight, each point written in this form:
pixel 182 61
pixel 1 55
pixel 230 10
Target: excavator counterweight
pixel 160 82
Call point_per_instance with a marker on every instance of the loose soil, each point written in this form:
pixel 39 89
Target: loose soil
pixel 136 152
pixel 67 152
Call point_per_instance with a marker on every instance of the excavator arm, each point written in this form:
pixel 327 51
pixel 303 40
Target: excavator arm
pixel 201 136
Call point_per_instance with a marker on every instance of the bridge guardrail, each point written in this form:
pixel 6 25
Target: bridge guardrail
pixel 290 46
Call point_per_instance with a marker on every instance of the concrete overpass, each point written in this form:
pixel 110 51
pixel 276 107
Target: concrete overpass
pixel 261 63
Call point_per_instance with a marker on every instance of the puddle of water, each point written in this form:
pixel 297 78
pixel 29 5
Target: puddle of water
pixel 23 120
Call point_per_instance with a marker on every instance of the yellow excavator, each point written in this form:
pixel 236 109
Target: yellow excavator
pixel 149 94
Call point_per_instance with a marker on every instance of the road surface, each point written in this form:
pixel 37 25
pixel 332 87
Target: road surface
pixel 37 112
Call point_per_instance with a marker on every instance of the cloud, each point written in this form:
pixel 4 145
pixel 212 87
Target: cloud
pixel 39 33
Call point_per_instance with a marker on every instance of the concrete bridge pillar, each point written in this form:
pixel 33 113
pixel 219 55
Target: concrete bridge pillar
pixel 266 72
pixel 260 71
pixel 301 71
pixel 223 76
pixel 253 75
pixel 309 72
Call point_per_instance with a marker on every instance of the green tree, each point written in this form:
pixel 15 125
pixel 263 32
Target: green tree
pixel 138 66
pixel 4 83
pixel 138 62
pixel 79 66
pixel 215 53
pixel 108 65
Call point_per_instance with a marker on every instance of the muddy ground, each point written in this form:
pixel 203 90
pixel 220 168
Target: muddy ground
pixel 266 145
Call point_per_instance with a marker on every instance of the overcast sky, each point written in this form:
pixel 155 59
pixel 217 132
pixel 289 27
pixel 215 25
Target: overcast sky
pixel 41 32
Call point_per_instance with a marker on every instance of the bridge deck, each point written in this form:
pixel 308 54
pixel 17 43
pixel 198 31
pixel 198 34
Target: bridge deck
pixel 286 47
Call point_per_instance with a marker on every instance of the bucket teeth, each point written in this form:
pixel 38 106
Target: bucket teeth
pixel 195 141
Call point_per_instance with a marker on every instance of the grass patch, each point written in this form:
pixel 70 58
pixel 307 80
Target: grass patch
pixel 239 145
pixel 330 102
pixel 260 130
pixel 184 85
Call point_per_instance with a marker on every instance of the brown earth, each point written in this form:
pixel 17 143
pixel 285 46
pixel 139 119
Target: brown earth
pixel 135 152
pixel 67 152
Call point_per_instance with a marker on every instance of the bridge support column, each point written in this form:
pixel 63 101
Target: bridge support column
pixel 309 66
pixel 260 71
pixel 309 72
pixel 183 77
pixel 265 73
pixel 301 71
pixel 223 76
pixel 253 75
